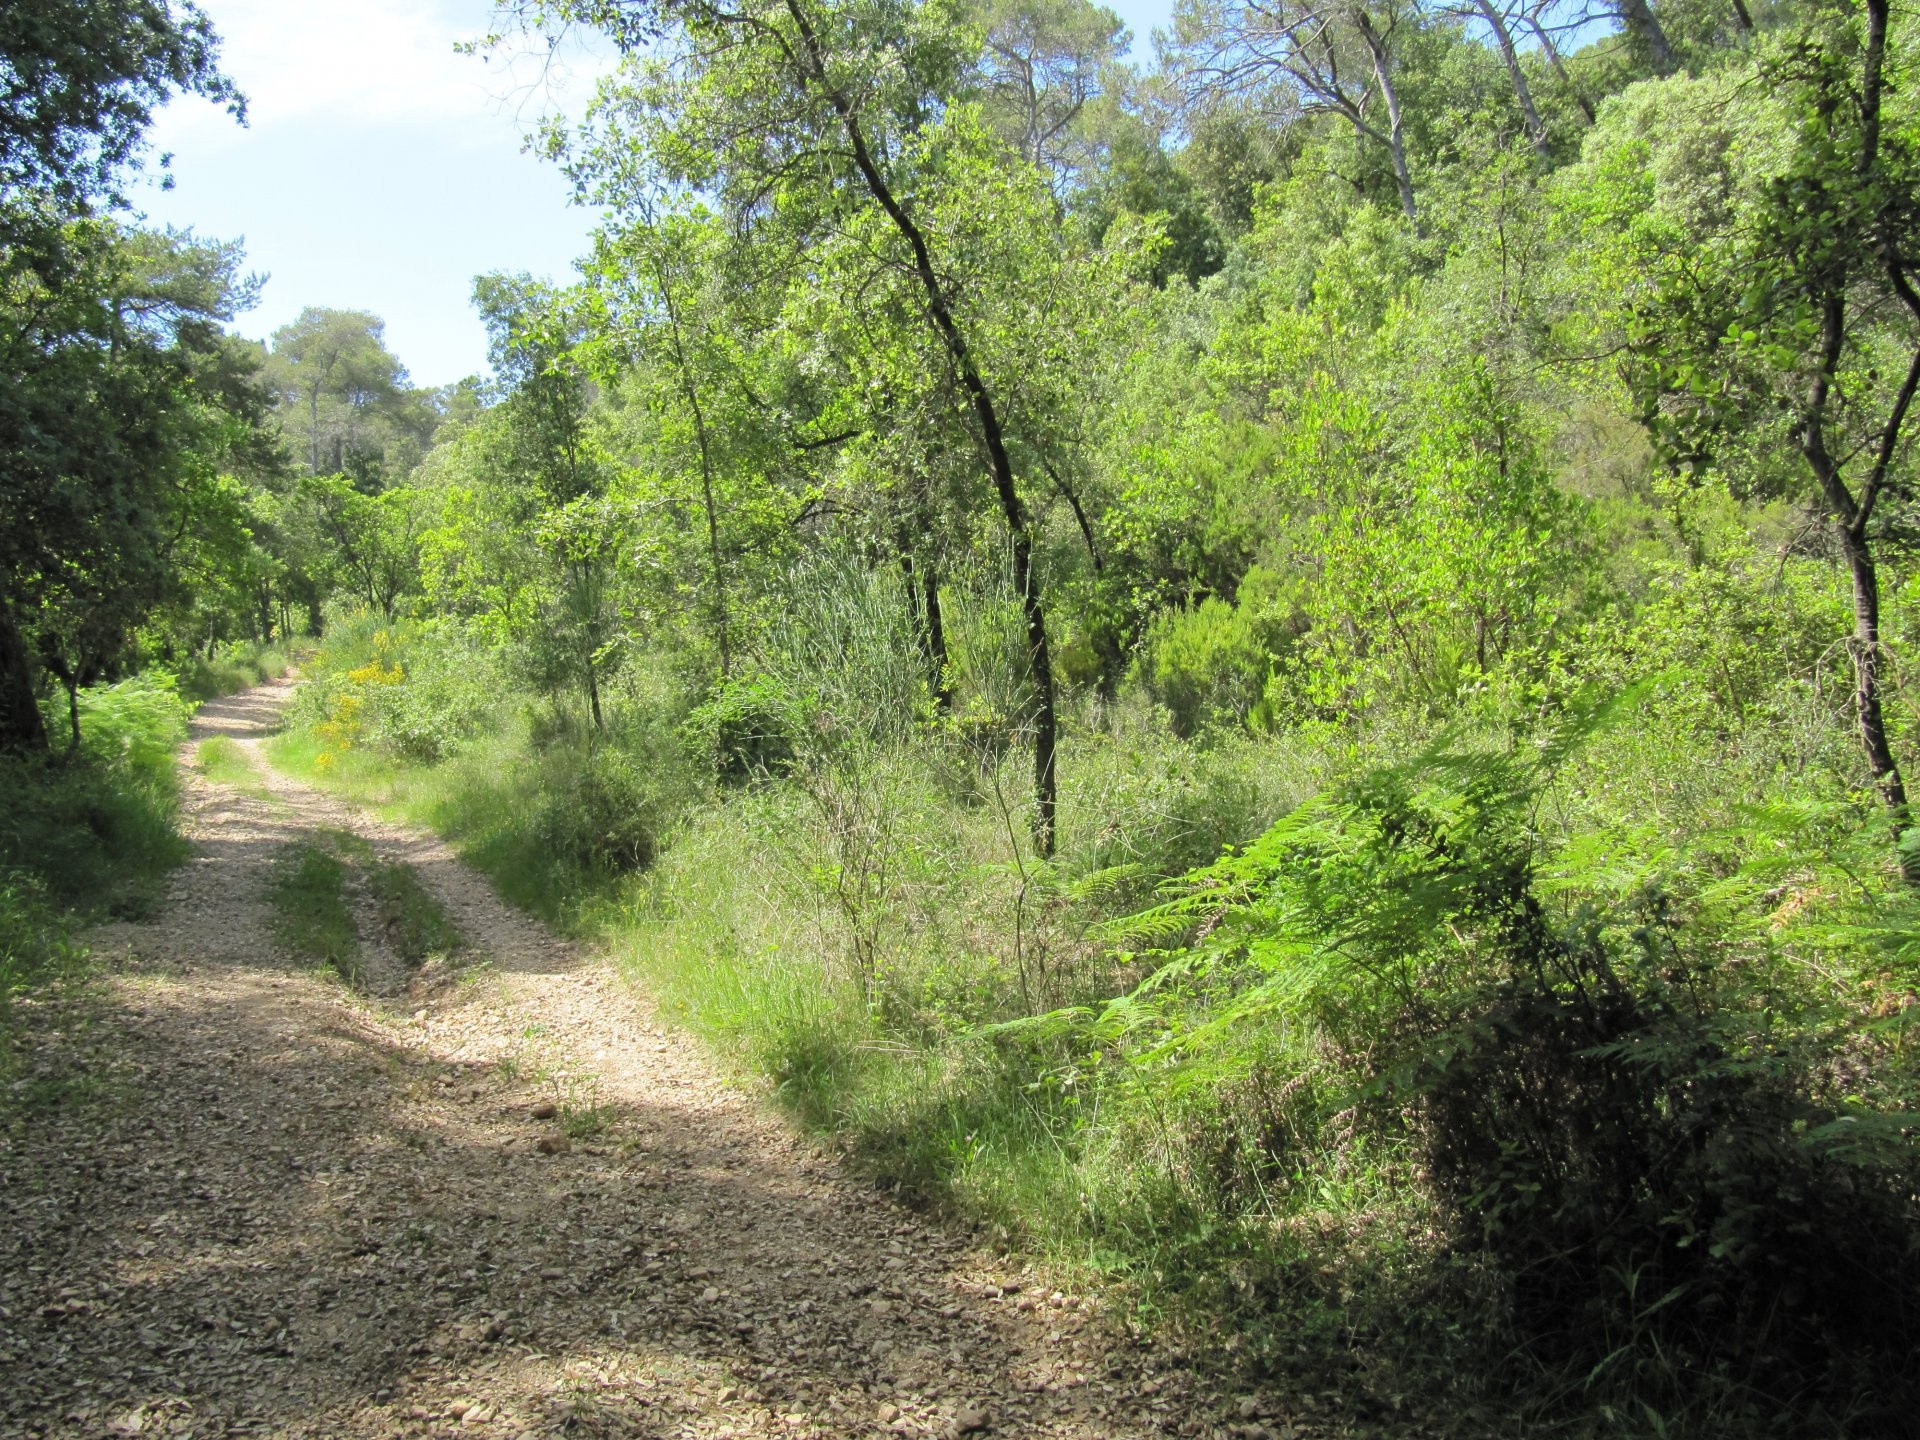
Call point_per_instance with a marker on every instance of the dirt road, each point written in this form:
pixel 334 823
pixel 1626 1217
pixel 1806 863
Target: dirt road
pixel 238 1197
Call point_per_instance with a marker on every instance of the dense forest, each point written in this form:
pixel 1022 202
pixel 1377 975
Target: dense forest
pixel 1273 665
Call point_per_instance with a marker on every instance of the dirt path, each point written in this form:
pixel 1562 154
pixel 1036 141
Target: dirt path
pixel 237 1198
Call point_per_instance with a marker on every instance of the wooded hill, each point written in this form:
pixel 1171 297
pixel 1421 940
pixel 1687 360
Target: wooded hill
pixel 1278 667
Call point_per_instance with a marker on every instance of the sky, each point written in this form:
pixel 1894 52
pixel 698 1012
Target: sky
pixel 380 170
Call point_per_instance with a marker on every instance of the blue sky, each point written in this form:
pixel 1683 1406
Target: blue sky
pixel 382 171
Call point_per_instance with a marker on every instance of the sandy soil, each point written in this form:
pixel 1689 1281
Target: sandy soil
pixel 239 1198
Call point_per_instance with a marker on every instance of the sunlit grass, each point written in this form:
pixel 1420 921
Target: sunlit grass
pixel 222 761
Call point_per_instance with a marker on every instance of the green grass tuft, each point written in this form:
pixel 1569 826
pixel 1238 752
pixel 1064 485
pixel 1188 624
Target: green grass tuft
pixel 415 924
pixel 312 917
pixel 222 761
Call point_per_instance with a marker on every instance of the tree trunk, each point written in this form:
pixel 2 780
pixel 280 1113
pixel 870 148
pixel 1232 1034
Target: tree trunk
pixel 720 618
pixel 22 728
pixel 69 682
pixel 72 688
pixel 937 640
pixel 1046 727
pixel 1552 52
pixel 1864 648
pixel 1638 17
pixel 1396 132
pixel 1503 37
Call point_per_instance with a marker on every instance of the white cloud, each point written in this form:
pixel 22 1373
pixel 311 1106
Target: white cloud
pixel 379 64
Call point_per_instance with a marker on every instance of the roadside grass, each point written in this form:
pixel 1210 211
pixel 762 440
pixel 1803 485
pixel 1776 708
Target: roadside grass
pixel 481 801
pixel 84 837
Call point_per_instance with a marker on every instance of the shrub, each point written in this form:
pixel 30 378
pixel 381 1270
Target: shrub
pixel 232 668
pixel 600 811
pixel 1209 664
pixel 451 689
pixel 1624 1074
pixel 749 727
pixel 90 835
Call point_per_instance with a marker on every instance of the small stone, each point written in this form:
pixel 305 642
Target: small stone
pixel 727 1392
pixel 968 1419
pixel 887 1414
pixel 555 1144
pixel 458 1410
pixel 419 1412
pixel 545 1110
pixel 710 1294
pixel 1249 1407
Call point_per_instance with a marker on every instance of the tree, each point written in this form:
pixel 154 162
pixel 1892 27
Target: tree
pixel 82 79
pixel 1762 228
pixel 344 398
pixel 1296 58
pixel 816 123
pixel 78 84
pixel 1043 64
pixel 121 403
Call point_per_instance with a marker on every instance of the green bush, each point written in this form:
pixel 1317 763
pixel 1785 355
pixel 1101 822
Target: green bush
pixel 96 831
pixel 453 689
pixel 600 811
pixel 1209 664
pixel 750 727
pixel 89 836
pixel 232 668
pixel 1646 1092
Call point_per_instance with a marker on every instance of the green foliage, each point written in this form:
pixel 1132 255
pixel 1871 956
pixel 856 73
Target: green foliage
pixel 90 837
pixel 749 726
pixel 231 669
pixel 1275 482
pixel 1210 665
pixel 1621 1065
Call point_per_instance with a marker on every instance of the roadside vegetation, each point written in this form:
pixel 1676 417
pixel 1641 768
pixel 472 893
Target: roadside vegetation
pixel 313 915
pixel 87 836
